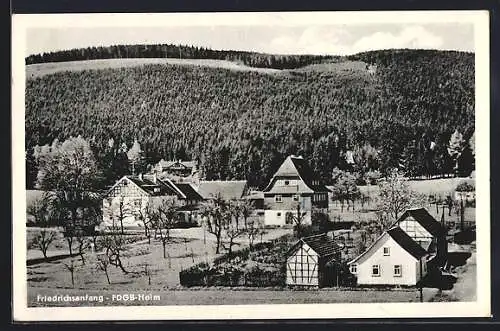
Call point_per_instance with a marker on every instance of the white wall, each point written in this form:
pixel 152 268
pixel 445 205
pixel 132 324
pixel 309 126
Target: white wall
pixel 278 217
pixel 303 264
pixel 398 256
pixel 111 209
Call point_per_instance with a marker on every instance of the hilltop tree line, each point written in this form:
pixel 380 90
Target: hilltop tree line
pixel 416 113
pixel 251 59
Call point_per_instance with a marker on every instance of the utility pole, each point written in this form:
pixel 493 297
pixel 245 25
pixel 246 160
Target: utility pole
pixel 420 281
pixel 461 214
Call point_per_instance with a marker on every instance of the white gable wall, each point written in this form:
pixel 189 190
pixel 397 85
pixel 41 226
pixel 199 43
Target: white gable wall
pixel 302 267
pixel 130 210
pixel 397 256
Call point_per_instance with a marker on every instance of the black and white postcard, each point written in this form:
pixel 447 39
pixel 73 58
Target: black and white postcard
pixel 251 165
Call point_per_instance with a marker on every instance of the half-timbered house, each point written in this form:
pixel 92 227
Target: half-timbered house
pixel 313 261
pixel 419 225
pixel 127 200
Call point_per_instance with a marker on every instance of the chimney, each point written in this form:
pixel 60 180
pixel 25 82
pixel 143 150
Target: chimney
pixel 140 176
pixel 154 178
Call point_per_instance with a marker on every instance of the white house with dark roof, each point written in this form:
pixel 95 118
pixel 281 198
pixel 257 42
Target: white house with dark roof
pixel 393 259
pixel 129 196
pixel 294 183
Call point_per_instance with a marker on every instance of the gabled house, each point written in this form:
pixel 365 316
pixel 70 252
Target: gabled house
pixel 176 167
pixel 393 259
pixel 127 199
pixel 312 261
pixel 424 229
pixel 294 183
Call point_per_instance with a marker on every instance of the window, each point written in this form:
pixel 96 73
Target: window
pixel 375 270
pixel 278 214
pixel 387 251
pixel 287 182
pixel 296 197
pixel 277 198
pixel 398 270
pixel 354 269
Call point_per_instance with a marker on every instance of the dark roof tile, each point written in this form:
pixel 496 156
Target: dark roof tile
pixel 407 243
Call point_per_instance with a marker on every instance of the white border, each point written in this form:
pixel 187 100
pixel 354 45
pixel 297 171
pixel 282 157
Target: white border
pixel 481 308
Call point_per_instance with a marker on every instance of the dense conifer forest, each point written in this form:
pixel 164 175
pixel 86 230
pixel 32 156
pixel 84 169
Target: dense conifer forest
pixel 252 59
pixel 394 108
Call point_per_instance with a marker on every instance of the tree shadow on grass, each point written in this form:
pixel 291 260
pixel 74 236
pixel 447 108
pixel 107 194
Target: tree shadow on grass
pixel 457 259
pixel 439 280
pixel 50 259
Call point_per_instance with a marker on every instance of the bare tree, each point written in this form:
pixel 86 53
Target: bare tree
pixel 41 210
pixel 232 229
pixel 163 218
pixel 213 218
pixel 122 211
pixel 252 230
pixel 43 240
pixel 113 244
pixel 71 267
pixel 395 196
pixel 298 219
pixel 83 244
pixel 145 214
pixel 103 264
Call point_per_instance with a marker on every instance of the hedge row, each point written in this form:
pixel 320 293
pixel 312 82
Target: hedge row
pixel 239 269
pixel 255 277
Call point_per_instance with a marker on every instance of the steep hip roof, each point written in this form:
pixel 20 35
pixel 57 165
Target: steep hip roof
pixel 322 244
pixel 422 216
pixel 294 166
pixel 228 190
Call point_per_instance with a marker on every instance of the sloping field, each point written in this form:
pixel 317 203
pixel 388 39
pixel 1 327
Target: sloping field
pixel 442 186
pixel 41 69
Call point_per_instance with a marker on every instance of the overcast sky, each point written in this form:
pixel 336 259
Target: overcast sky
pixel 312 39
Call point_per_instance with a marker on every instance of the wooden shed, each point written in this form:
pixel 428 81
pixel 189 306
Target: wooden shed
pixel 312 261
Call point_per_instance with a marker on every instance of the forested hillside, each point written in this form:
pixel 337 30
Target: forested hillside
pixel 400 110
pixel 251 59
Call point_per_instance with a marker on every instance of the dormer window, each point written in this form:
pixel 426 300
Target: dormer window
pixel 156 190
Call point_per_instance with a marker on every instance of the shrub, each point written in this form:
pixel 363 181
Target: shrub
pixel 465 187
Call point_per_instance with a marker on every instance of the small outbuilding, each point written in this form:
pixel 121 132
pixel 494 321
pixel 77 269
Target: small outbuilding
pixel 313 261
